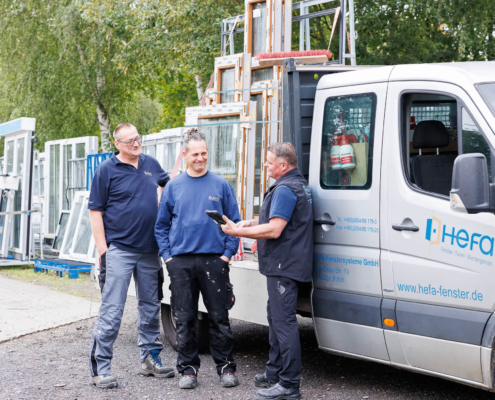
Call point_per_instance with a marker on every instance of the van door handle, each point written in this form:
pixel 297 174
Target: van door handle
pixel 411 228
pixel 324 222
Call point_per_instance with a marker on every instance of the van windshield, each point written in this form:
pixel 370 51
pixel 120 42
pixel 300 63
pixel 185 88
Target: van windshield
pixel 487 91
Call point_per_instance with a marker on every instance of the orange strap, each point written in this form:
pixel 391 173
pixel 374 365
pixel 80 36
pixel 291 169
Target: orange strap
pixel 335 19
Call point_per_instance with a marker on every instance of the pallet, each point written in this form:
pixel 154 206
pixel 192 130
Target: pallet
pixel 72 268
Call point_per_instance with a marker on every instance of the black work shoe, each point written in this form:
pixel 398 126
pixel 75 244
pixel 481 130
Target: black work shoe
pixel 277 392
pixel 104 381
pixel 229 379
pixel 188 382
pixel 260 380
pixel 153 366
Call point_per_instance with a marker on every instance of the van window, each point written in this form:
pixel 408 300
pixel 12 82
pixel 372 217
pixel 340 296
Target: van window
pixel 347 142
pixel 432 140
pixel 473 141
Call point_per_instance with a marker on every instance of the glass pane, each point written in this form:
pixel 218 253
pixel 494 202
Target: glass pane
pixel 171 151
pixel 42 177
pixel 347 142
pixel 77 178
pixel 71 228
pixel 3 208
pixel 487 91
pixel 54 209
pixel 66 178
pixel 314 32
pixel 36 178
pixel 223 148
pixel 150 150
pixel 10 157
pixel 227 83
pixel 259 28
pixel 263 74
pixel 84 233
pixel 19 167
pixel 473 140
pixel 64 219
pixel 80 150
pixel 258 154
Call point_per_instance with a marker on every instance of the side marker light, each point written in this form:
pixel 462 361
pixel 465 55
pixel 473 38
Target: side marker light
pixel 389 322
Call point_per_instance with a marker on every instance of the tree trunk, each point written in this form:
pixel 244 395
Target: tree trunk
pixel 199 90
pixel 104 123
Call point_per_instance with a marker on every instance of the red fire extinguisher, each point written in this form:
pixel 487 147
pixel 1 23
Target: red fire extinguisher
pixel 335 154
pixel 346 154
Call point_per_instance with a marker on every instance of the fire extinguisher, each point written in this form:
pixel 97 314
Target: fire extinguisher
pixel 335 154
pixel 346 154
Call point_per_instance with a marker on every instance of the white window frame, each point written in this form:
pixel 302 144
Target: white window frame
pixel 91 147
pixel 25 176
pixel 76 219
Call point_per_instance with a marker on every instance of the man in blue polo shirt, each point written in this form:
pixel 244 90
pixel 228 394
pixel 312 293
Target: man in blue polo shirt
pixel 123 207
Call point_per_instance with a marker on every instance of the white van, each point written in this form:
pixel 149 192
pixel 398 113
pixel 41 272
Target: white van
pixel 404 272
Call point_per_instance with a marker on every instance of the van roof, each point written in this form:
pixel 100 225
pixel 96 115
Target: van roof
pixel 470 72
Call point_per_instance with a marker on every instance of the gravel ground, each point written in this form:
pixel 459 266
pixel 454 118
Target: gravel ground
pixel 53 365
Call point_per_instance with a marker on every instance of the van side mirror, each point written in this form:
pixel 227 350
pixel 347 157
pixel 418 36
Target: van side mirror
pixel 471 189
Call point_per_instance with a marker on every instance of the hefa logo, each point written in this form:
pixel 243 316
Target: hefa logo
pixel 436 232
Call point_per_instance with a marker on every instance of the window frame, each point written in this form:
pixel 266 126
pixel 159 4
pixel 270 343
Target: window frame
pixel 369 181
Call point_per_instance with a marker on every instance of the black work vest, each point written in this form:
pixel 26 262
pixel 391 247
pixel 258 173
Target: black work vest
pixel 291 255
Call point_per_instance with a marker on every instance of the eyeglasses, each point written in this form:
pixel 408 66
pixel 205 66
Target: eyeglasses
pixel 130 143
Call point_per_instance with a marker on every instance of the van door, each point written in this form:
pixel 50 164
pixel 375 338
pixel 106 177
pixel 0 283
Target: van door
pixel 443 266
pixel 345 182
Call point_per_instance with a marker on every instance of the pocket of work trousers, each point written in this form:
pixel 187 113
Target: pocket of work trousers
pixel 103 270
pixel 161 280
pixel 229 295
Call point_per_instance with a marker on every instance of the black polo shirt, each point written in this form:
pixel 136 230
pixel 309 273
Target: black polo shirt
pixel 128 199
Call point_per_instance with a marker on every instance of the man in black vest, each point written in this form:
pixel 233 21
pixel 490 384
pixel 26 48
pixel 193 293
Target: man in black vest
pixel 285 254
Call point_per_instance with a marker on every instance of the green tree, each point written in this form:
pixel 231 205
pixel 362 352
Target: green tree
pixel 401 32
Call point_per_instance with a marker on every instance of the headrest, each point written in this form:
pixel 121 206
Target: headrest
pixel 430 134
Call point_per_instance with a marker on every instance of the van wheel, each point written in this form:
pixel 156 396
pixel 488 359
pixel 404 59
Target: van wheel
pixel 170 329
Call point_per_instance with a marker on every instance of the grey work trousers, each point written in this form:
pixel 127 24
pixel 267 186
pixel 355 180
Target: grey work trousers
pixel 120 266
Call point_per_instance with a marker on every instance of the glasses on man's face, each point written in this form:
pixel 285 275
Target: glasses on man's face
pixel 130 143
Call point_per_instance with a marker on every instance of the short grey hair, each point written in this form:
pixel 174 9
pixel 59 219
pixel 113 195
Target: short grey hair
pixel 120 127
pixel 193 134
pixel 285 151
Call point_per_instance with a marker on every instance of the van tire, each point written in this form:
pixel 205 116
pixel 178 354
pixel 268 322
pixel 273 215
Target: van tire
pixel 170 332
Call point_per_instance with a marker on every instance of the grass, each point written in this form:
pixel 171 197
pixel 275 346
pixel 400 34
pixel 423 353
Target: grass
pixel 81 287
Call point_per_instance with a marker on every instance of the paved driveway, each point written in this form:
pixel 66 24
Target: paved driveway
pixel 26 308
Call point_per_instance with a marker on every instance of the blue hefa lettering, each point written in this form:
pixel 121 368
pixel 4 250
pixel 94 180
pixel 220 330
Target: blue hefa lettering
pixel 473 242
pixel 452 236
pixel 490 251
pixel 480 297
pixel 428 229
pixel 464 238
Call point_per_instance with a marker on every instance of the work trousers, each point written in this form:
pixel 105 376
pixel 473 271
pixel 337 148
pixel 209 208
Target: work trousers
pixel 191 274
pixel 284 365
pixel 120 266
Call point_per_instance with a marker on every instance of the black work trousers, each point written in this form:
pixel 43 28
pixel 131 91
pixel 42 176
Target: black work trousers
pixel 284 365
pixel 191 274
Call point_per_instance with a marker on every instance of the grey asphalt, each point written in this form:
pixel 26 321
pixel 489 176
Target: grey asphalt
pixel 53 365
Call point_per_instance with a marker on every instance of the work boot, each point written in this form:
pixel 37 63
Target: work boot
pixel 277 392
pixel 152 365
pixel 229 379
pixel 188 382
pixel 104 381
pixel 260 380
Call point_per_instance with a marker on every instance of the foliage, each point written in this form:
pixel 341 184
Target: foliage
pixel 83 66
